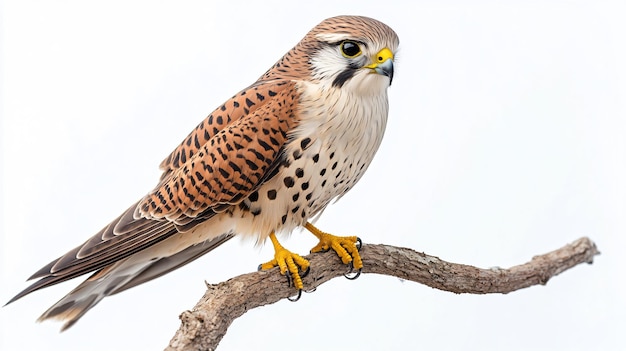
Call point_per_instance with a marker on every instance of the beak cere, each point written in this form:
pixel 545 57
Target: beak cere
pixel 383 64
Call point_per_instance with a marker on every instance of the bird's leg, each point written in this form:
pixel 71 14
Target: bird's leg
pixel 347 247
pixel 287 260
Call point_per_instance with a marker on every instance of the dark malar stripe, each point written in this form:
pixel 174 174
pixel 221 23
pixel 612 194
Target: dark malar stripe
pixel 343 77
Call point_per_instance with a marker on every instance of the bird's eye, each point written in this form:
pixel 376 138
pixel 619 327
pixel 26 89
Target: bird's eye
pixel 350 49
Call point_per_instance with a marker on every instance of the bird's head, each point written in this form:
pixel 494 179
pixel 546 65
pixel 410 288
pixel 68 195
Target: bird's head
pixel 350 52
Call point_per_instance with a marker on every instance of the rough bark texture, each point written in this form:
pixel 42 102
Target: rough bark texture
pixel 204 326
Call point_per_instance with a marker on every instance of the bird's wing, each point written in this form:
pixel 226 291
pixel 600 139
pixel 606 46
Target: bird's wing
pixel 241 146
pixel 231 163
pixel 119 239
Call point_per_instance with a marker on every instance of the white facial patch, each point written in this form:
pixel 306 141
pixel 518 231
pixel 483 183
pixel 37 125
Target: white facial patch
pixel 327 64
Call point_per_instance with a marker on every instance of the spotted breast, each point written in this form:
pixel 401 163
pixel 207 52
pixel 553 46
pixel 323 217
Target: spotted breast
pixel 327 153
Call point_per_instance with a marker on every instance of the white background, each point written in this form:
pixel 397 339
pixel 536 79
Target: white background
pixel 505 140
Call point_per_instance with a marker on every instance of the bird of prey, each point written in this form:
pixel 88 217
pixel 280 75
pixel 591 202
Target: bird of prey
pixel 267 161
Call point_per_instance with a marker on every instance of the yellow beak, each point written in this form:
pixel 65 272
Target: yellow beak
pixel 383 64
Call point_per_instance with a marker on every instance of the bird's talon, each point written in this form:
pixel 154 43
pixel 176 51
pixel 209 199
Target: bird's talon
pixel 289 280
pixel 346 247
pixel 352 277
pixel 310 290
pixel 294 299
pixel 350 269
pixel 292 265
pixel 305 273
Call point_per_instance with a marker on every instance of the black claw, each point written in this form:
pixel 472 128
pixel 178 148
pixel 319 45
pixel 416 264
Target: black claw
pixel 301 273
pixel 289 279
pixel 358 243
pixel 305 273
pixel 352 277
pixel 259 268
pixel 349 274
pixel 294 299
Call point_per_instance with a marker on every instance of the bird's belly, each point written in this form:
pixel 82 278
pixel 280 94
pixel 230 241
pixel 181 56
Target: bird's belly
pixel 312 177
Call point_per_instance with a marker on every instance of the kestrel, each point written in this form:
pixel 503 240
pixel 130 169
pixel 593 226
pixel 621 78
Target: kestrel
pixel 267 161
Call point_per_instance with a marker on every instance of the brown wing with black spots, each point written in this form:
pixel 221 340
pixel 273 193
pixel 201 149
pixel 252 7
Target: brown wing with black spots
pixel 240 105
pixel 232 162
pixel 224 169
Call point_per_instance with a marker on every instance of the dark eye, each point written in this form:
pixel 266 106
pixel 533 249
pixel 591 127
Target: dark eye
pixel 350 49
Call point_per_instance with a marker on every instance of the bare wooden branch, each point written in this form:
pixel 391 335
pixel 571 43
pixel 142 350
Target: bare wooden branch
pixel 204 326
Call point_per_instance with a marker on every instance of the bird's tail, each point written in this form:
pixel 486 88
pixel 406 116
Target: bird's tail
pixel 77 302
pixel 119 276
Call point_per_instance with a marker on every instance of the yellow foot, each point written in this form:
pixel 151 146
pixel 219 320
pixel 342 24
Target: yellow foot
pixel 297 266
pixel 347 247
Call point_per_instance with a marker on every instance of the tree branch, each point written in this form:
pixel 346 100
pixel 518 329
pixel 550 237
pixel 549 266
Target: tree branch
pixel 204 326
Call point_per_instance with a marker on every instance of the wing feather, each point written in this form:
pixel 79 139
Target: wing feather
pixel 230 165
pixel 240 105
pixel 220 163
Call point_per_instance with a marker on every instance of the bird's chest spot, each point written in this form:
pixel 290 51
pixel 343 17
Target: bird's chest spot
pixel 312 175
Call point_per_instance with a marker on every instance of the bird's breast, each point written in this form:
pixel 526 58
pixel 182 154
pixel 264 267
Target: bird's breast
pixel 326 155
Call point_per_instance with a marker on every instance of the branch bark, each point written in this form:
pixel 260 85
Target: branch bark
pixel 203 327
